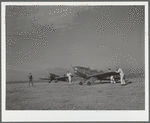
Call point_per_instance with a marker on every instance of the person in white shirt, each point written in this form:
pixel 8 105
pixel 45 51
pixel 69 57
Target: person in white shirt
pixel 111 77
pixel 121 76
pixel 69 77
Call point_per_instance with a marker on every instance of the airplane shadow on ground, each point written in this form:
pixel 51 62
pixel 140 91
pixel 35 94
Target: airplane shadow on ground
pixel 107 82
pixel 128 82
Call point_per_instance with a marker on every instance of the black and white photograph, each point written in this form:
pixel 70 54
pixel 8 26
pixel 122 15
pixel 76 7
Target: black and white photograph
pixel 75 61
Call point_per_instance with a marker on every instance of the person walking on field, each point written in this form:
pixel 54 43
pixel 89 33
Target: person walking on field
pixel 121 76
pixel 30 79
pixel 111 77
pixel 69 77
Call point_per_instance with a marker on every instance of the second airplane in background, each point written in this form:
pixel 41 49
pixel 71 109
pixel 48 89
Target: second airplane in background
pixel 56 78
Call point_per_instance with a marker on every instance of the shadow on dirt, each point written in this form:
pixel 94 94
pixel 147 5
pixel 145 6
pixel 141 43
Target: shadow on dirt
pixel 107 82
pixel 128 82
pixel 102 82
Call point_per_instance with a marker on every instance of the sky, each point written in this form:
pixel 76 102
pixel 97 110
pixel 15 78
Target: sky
pixel 43 39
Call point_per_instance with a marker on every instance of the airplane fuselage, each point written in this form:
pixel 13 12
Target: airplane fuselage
pixel 87 73
pixel 84 72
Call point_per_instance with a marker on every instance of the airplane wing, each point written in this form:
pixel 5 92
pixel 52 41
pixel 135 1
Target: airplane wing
pixel 63 77
pixel 103 74
pixel 45 78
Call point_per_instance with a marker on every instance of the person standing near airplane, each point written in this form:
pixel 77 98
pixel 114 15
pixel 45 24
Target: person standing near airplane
pixel 69 77
pixel 121 76
pixel 30 79
pixel 111 77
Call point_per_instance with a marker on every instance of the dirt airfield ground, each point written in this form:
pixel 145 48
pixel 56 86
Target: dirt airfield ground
pixel 62 96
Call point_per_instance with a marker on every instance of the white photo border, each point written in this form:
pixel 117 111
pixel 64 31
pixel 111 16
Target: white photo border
pixel 69 115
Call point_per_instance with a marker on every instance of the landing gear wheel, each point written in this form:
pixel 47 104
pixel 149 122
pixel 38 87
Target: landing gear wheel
pixel 80 83
pixel 88 83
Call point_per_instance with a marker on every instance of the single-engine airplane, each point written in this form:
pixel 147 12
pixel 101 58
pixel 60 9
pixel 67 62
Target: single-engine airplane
pixel 88 75
pixel 56 78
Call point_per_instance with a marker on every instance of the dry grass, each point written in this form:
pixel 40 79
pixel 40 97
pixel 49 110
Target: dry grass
pixel 62 96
